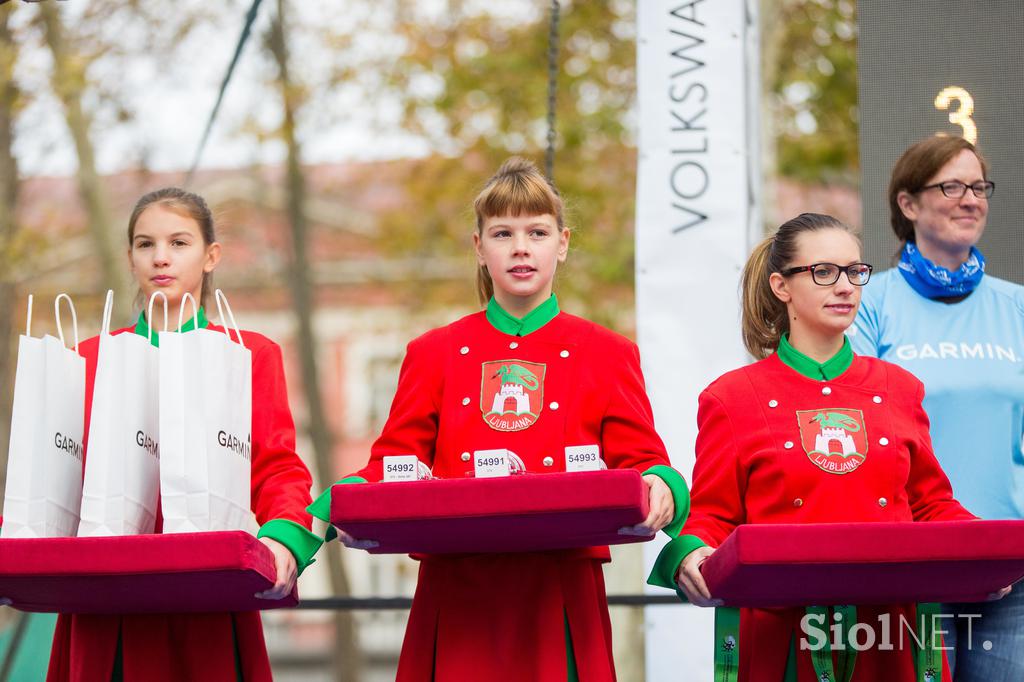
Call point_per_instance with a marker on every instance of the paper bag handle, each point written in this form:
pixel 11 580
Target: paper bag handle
pixel 149 312
pixel 28 317
pixel 221 298
pixel 195 311
pixel 74 318
pixel 108 308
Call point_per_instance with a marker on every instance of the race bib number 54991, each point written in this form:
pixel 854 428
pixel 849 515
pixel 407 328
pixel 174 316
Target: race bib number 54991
pixel 491 463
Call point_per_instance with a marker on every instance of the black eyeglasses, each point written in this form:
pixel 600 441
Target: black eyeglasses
pixel 827 274
pixel 954 189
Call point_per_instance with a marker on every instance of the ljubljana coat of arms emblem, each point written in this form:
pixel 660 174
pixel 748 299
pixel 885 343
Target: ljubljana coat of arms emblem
pixel 835 439
pixel 512 394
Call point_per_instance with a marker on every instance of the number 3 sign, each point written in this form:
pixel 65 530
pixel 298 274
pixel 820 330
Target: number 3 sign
pixel 962 115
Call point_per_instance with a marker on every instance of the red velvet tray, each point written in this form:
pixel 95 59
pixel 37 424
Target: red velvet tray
pixel 865 563
pixel 173 573
pixel 527 512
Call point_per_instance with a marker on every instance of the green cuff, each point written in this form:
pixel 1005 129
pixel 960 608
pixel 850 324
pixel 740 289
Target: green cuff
pixel 321 507
pixel 680 496
pixel 299 541
pixel 667 564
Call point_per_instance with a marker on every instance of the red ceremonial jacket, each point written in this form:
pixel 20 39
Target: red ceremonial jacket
pixel 503 617
pixel 760 427
pixel 197 647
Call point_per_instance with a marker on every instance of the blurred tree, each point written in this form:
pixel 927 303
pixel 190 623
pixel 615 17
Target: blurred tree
pixel 472 80
pixel 345 653
pixel 70 82
pixel 810 72
pixel 27 634
pixel 9 96
pixel 473 83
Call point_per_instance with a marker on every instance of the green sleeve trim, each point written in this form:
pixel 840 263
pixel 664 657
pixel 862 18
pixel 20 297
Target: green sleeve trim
pixel 667 564
pixel 321 507
pixel 299 541
pixel 680 496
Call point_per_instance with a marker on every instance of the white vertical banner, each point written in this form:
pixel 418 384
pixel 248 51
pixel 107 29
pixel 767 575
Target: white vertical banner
pixel 698 181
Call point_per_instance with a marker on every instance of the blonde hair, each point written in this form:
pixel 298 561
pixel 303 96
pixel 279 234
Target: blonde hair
pixel 518 188
pixel 765 318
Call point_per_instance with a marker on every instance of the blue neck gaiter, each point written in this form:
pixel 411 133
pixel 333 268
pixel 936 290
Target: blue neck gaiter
pixel 934 281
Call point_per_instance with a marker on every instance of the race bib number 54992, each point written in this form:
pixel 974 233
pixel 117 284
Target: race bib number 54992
pixel 400 468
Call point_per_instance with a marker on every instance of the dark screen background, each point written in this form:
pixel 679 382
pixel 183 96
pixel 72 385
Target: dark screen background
pixel 908 51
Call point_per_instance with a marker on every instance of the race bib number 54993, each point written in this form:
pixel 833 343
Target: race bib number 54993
pixel 583 458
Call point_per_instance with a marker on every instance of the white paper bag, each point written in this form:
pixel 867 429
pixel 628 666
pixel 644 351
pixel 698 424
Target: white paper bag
pixel 122 472
pixel 205 428
pixel 44 467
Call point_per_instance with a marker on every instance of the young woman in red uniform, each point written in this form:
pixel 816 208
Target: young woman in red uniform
pixel 527 616
pixel 810 433
pixel 172 249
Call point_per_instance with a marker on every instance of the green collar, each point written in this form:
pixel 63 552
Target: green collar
pixel 513 326
pixel 812 369
pixel 142 327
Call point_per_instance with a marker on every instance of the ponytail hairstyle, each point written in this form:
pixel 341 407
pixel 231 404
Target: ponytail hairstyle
pixel 765 317
pixel 517 189
pixel 186 204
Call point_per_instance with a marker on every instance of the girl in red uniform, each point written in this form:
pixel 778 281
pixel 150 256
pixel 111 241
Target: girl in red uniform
pixel 810 433
pixel 527 616
pixel 172 249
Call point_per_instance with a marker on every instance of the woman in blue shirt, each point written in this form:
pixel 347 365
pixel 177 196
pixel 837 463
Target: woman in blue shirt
pixel 962 333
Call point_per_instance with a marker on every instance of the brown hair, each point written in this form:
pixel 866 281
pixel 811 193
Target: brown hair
pixel 765 318
pixel 184 203
pixel 919 164
pixel 517 189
